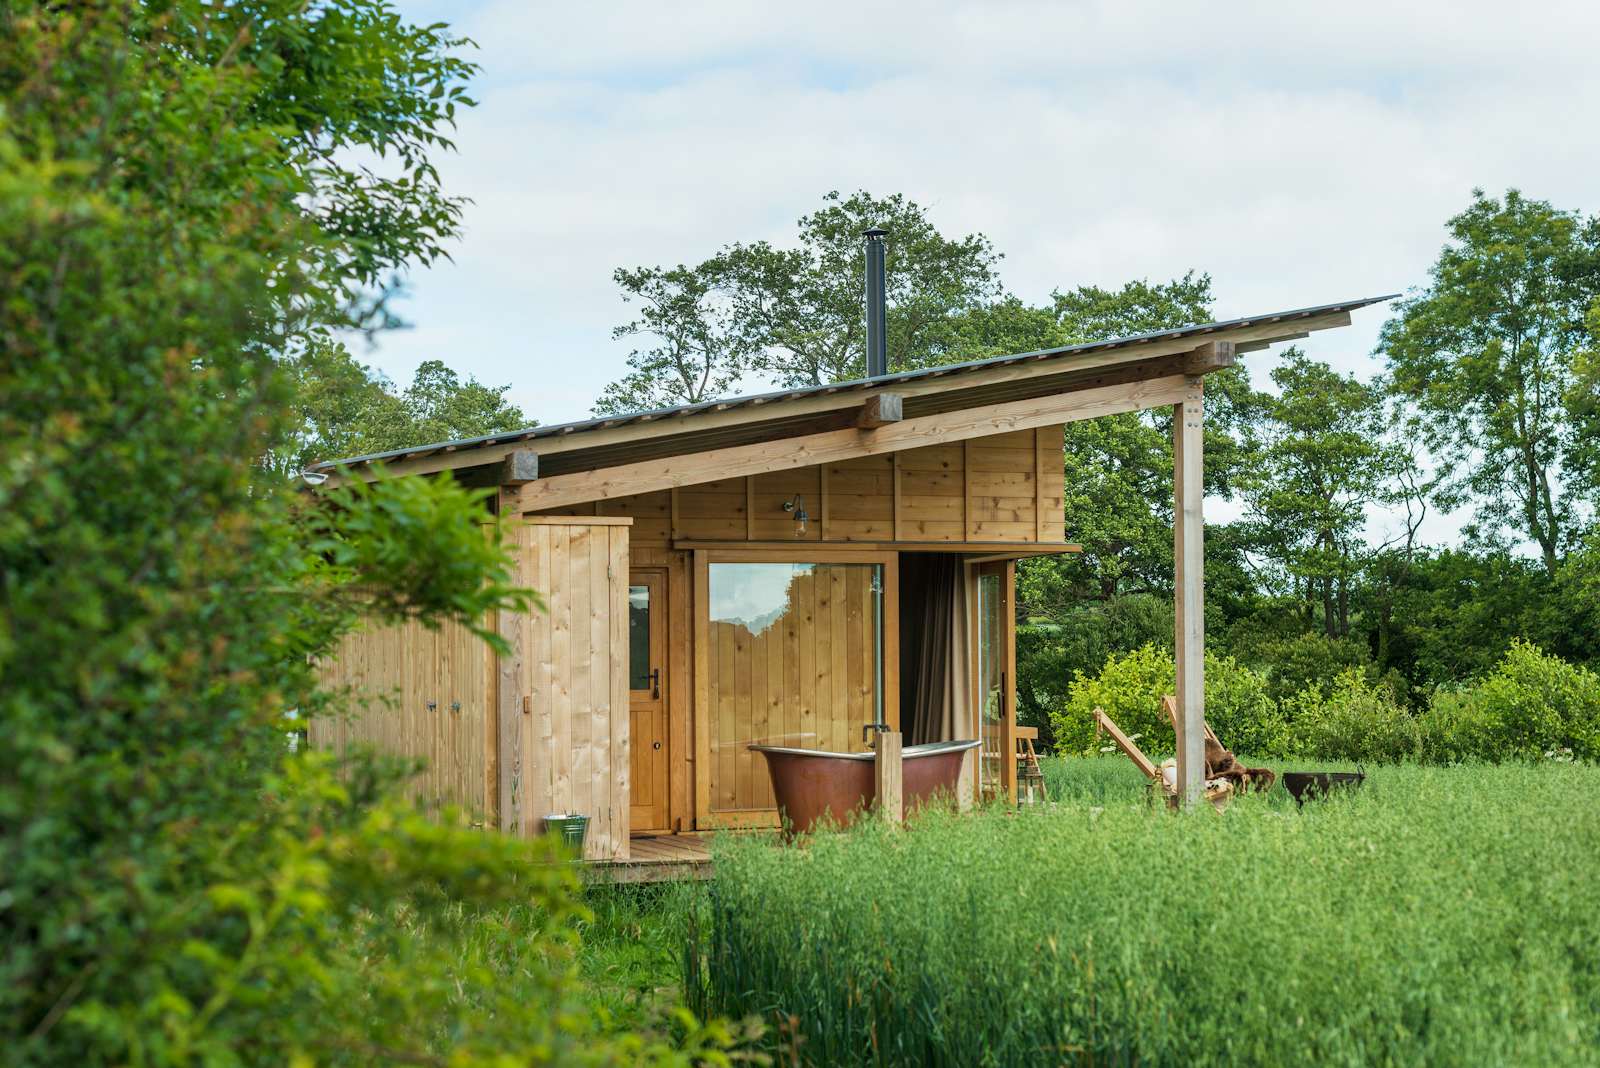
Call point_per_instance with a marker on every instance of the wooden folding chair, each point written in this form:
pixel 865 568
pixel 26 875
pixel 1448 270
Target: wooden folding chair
pixel 1258 778
pixel 1218 795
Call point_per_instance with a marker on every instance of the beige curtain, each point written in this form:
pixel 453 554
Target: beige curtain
pixel 935 649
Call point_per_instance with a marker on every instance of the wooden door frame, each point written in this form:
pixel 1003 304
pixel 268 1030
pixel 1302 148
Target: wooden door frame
pixel 680 668
pixel 1007 569
pixel 800 553
pixel 659 579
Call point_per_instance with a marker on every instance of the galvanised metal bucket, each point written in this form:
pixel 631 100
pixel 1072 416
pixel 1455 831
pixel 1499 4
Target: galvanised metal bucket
pixel 570 826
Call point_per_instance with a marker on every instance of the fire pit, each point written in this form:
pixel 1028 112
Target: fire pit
pixel 1312 784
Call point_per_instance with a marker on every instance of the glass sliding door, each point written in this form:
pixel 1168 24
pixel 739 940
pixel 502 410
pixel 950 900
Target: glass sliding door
pixel 794 654
pixel 995 637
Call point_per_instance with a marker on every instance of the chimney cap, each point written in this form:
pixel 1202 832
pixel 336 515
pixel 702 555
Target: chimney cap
pixel 875 231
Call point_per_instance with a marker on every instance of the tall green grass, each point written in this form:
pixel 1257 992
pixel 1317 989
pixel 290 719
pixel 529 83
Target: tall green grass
pixel 1437 916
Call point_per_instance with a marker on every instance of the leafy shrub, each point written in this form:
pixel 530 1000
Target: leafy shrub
pixel 1354 720
pixel 1130 687
pixel 176 887
pixel 1456 727
pixel 1049 654
pixel 1429 918
pixel 1308 661
pixel 1530 704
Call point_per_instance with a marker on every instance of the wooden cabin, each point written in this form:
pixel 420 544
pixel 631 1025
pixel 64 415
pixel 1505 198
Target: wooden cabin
pixel 785 568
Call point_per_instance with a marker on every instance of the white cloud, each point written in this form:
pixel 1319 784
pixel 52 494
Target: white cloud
pixel 1299 153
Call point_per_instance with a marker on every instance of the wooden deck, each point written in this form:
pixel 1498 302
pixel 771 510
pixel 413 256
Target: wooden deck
pixel 657 859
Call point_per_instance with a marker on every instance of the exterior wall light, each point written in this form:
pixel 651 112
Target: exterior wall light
pixel 797 506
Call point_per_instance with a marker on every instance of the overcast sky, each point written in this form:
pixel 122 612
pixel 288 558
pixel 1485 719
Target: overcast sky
pixel 1299 153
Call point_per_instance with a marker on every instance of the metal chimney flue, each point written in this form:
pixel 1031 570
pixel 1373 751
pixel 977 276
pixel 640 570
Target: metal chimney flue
pixel 877 313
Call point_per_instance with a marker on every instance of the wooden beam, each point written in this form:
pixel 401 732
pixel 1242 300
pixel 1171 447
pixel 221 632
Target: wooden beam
pixel 880 410
pixel 1212 356
pixel 519 467
pixel 1257 346
pixel 475 455
pixel 1188 554
pixel 576 520
pixel 559 491
pixel 1126 744
pixel 996 550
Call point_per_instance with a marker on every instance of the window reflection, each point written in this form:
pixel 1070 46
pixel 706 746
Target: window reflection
pixel 794 658
pixel 638 637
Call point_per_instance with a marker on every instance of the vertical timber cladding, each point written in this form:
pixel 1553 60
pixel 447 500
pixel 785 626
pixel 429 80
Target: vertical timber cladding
pixel 563 692
pixel 1002 488
pixel 418 693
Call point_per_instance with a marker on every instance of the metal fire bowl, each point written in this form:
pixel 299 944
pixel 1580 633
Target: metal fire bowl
pixel 1306 785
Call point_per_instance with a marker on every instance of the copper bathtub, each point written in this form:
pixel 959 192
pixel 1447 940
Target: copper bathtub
pixel 811 785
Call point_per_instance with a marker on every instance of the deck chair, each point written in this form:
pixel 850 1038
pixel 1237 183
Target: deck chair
pixel 1217 791
pixel 1220 761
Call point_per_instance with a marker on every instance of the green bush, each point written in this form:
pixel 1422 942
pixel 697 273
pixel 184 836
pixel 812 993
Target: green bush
pixel 1456 728
pixel 1530 705
pixel 1130 687
pixel 180 219
pixel 1353 720
pixel 1308 661
pixel 1441 916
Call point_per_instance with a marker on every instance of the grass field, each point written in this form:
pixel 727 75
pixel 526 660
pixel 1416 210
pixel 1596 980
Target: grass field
pixel 1437 916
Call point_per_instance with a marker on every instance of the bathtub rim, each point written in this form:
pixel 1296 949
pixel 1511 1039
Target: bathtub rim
pixel 909 752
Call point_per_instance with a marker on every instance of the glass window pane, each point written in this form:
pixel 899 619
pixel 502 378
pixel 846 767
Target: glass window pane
pixel 795 658
pixel 990 658
pixel 638 637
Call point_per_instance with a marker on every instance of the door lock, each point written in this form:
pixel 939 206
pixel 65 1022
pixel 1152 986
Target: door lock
pixel 657 745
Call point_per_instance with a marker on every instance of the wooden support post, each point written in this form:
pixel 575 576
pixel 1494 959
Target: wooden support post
pixel 1188 554
pixel 887 772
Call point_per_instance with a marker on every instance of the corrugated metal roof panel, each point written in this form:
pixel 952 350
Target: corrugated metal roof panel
pixel 777 396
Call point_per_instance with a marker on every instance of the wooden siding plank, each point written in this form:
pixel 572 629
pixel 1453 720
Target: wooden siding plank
pixel 560 600
pixel 540 747
pixel 619 777
pixel 597 630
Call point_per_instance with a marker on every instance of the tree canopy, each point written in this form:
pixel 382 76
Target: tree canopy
pixel 1491 354
pixel 346 409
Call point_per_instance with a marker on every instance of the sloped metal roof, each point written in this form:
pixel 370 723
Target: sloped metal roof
pixel 777 397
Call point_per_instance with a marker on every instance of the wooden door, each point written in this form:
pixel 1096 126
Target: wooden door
pixel 996 704
pixel 647 697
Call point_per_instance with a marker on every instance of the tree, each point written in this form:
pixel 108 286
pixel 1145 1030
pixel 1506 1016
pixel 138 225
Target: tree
pixel 802 308
pixel 1119 467
pixel 1583 403
pixel 347 409
pixel 176 886
pixel 1486 354
pixel 698 355
pixel 795 316
pixel 1090 313
pixel 1323 461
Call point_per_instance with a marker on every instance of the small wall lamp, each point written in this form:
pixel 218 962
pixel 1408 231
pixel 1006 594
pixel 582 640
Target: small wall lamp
pixel 797 505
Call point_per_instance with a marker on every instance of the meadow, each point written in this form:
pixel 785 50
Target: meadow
pixel 1440 915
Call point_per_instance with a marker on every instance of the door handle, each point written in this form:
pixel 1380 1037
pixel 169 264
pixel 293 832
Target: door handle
pixel 655 684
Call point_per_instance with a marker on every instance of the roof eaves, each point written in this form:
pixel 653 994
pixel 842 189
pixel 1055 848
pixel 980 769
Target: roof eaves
pixel 775 396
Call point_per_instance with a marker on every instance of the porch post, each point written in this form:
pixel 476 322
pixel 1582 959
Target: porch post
pixel 1188 556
